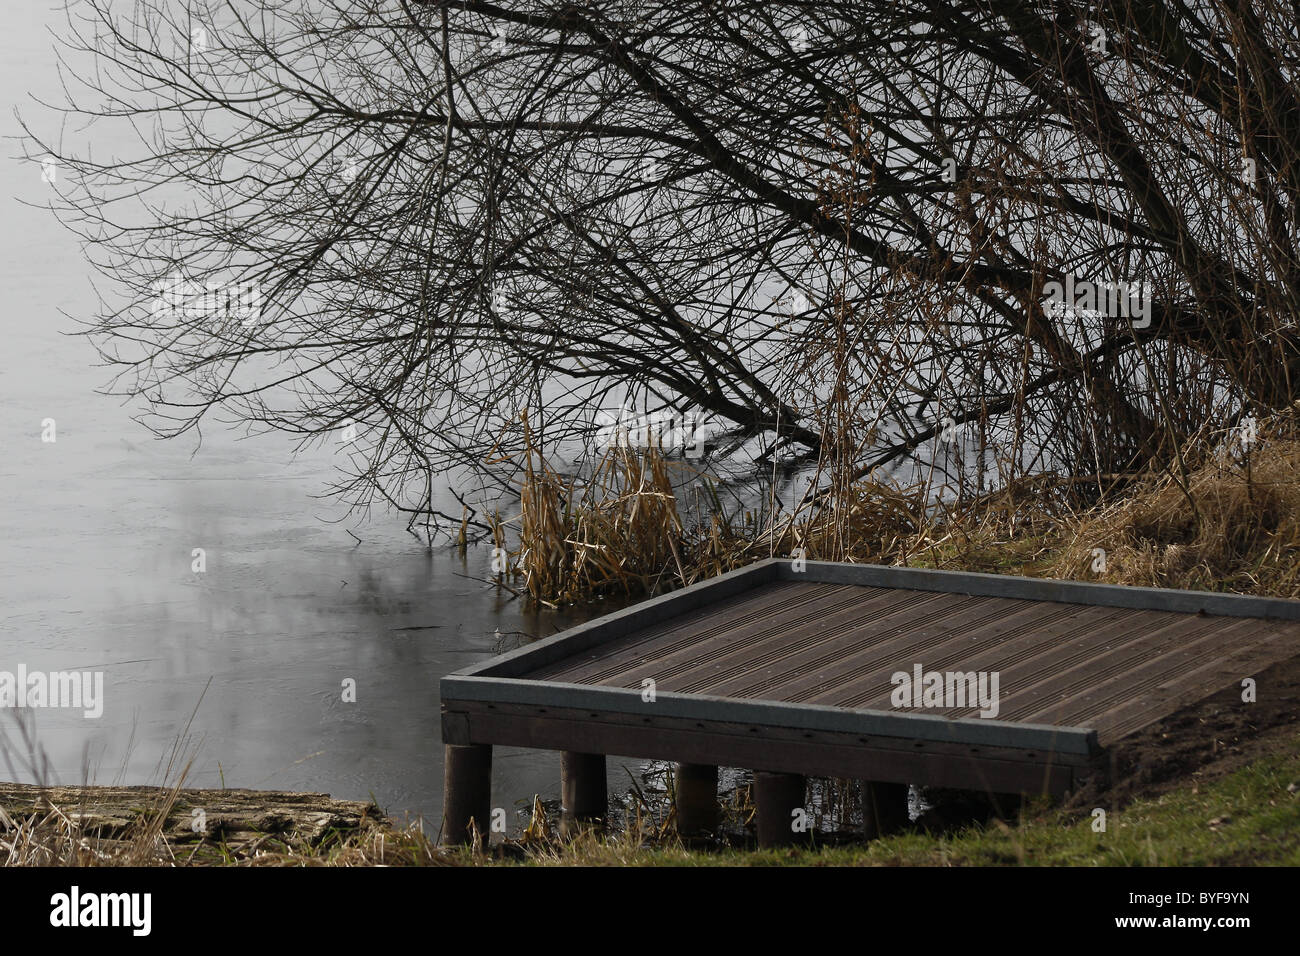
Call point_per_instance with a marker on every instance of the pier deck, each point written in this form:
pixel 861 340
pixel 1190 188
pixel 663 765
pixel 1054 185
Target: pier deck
pixel 790 672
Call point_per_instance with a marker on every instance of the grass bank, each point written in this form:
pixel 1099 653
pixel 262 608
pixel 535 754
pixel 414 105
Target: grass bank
pixel 1249 817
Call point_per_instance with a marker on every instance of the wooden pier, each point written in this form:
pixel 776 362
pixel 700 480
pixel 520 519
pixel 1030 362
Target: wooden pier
pixel 794 670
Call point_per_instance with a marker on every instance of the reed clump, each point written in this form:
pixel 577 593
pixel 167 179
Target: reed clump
pixel 1231 523
pixel 616 531
pixel 872 521
pixel 621 530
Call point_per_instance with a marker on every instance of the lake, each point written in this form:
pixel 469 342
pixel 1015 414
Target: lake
pixel 248 657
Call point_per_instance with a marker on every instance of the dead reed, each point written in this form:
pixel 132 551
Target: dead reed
pixel 616 531
pixel 1233 523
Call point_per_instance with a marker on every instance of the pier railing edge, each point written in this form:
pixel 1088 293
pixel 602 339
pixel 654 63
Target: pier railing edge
pixel 1079 742
pixel 1042 589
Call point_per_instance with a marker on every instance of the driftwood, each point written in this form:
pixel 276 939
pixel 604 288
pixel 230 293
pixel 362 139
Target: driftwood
pixel 191 816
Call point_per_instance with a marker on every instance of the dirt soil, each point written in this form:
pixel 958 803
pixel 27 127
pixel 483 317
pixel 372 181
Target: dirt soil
pixel 1215 737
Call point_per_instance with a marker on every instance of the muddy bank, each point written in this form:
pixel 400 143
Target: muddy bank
pixel 1201 742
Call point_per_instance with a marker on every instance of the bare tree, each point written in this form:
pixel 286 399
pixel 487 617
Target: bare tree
pixel 786 214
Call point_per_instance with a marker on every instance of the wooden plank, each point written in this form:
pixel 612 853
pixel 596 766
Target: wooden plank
pixel 1170 666
pixel 1016 646
pixel 870 649
pixel 456 728
pixel 679 639
pixel 1223 671
pixel 788 672
pixel 1060 690
pixel 835 684
pixel 711 665
pixel 1027 664
pixel 826 639
pixel 610 626
pixel 681 632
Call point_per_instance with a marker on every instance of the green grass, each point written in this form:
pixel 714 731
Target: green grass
pixel 1260 826
pixel 1256 822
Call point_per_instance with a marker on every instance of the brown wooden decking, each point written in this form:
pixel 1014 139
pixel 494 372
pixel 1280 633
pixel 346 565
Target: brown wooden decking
pixel 790 671
pixel 1074 665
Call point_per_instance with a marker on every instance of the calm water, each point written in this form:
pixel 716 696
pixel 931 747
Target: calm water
pixel 96 537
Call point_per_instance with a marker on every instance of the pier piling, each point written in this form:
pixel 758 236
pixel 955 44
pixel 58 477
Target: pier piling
pixel 778 796
pixel 884 808
pixel 467 793
pixel 584 797
pixel 697 799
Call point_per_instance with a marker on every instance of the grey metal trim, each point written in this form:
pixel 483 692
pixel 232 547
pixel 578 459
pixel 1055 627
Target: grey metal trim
pixel 1079 741
pixel 1042 589
pixel 610 626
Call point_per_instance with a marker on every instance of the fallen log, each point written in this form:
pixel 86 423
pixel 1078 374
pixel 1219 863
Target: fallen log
pixel 235 818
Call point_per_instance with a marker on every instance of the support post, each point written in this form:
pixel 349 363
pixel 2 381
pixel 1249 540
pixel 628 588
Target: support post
pixel 884 808
pixel 466 793
pixel 696 799
pixel 584 797
pixel 778 796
